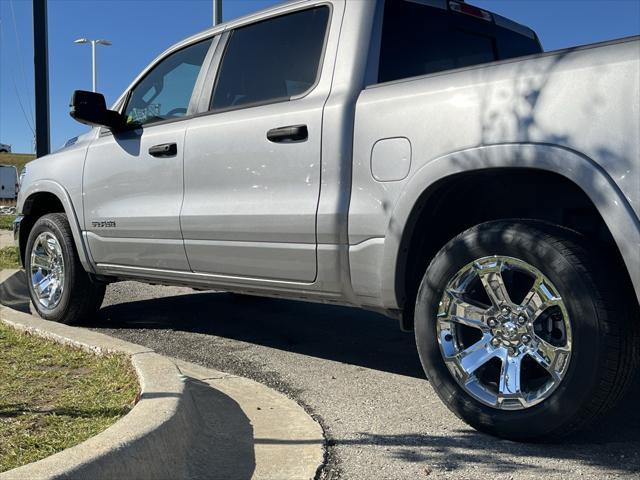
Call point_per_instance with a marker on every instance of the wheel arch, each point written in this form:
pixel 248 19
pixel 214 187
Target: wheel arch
pixel 45 197
pixel 589 186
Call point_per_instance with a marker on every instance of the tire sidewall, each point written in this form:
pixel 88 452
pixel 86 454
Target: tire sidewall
pixel 47 224
pixel 563 406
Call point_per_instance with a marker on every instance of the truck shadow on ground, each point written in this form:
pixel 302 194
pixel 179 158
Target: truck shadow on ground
pixel 342 334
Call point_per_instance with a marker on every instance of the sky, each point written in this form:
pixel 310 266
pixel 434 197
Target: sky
pixel 142 29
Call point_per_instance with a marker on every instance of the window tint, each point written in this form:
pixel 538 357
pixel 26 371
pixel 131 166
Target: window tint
pixel 418 40
pixel 272 60
pixel 166 90
pixel 511 44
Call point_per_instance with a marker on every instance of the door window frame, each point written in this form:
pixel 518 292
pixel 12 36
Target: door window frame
pixel 192 108
pixel 215 67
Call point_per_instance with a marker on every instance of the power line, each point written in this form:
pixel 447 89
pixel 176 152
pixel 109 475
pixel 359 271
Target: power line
pixel 26 118
pixel 15 88
pixel 24 76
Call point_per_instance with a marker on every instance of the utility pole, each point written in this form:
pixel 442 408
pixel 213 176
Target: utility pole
pixel 93 43
pixel 217 12
pixel 41 71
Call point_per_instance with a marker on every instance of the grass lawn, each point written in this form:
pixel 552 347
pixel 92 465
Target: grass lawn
pixel 6 222
pixel 9 259
pixel 17 159
pixel 53 397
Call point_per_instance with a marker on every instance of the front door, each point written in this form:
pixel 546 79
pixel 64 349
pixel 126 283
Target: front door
pixel 133 180
pixel 253 163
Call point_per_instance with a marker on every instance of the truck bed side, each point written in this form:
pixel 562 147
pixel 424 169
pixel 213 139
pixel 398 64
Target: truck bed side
pixel 574 112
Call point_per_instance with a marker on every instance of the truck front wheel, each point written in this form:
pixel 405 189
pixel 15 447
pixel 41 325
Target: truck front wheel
pixel 59 287
pixel 522 330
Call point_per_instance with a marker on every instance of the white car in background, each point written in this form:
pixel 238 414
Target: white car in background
pixel 4 148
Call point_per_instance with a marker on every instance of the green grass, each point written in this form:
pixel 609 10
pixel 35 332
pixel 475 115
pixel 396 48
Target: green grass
pixel 6 222
pixel 17 159
pixel 53 396
pixel 9 258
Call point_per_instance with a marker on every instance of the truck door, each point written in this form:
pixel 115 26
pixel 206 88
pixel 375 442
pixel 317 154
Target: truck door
pixel 133 183
pixel 252 163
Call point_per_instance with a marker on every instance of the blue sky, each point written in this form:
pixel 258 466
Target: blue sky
pixel 141 29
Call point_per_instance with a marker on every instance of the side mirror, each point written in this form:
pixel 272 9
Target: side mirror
pixel 90 108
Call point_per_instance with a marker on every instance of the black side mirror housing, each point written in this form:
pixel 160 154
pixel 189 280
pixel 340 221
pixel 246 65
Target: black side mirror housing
pixel 90 108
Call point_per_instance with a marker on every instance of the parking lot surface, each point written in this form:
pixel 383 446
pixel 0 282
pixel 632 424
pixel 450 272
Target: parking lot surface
pixel 361 377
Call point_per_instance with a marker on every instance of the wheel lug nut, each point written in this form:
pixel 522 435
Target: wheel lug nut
pixel 525 339
pixel 492 322
pixel 505 311
pixel 522 319
pixel 495 342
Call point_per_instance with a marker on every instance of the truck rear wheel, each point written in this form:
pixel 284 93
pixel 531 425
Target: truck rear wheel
pixel 522 331
pixel 59 287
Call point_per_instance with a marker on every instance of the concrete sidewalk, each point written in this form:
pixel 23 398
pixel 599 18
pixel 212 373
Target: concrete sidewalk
pixel 191 422
pixel 262 433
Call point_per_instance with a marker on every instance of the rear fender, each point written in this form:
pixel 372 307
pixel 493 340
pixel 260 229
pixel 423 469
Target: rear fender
pixel 608 199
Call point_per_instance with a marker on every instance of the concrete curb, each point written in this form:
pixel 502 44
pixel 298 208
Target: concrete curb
pixel 190 422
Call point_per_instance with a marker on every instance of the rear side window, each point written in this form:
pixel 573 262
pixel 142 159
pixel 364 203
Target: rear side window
pixel 272 60
pixel 418 39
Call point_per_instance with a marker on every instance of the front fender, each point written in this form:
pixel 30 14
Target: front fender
pixel 608 199
pixel 54 188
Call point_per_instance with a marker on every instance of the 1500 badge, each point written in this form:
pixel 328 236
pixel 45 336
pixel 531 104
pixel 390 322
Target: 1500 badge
pixel 105 224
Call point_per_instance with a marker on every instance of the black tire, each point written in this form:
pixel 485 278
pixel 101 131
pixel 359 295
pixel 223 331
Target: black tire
pixel 603 353
pixel 81 296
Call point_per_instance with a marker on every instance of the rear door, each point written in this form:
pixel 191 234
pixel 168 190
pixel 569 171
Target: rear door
pixel 133 179
pixel 252 163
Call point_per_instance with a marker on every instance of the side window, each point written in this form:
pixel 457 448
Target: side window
pixel 419 39
pixel 165 92
pixel 272 60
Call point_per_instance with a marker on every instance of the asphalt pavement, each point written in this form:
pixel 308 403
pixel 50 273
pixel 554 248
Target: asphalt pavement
pixel 361 377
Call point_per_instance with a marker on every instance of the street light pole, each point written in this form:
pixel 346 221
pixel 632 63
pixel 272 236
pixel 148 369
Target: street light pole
pixel 93 43
pixel 93 65
pixel 41 70
pixel 217 12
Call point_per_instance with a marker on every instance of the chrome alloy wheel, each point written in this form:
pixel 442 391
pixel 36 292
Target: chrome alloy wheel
pixel 504 332
pixel 47 270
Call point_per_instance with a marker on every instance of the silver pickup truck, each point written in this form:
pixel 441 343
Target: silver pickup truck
pixel 420 158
